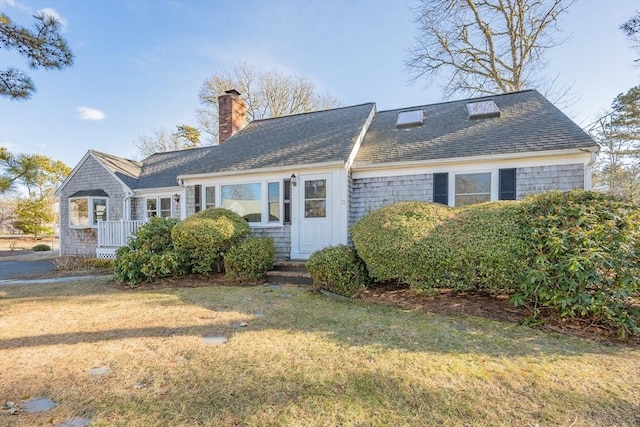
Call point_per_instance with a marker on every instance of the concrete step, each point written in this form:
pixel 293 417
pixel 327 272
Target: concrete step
pixel 297 266
pixel 289 277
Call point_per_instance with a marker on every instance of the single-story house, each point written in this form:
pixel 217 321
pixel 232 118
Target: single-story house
pixel 305 179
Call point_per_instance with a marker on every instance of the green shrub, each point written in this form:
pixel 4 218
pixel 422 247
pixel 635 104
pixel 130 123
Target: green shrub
pixel 41 248
pixel 483 247
pixel 338 269
pixel 250 259
pixel 149 254
pixel 585 258
pixel 205 237
pixel 384 238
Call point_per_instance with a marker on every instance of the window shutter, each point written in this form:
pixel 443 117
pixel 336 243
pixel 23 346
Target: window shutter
pixel 441 188
pixel 507 188
pixel 197 197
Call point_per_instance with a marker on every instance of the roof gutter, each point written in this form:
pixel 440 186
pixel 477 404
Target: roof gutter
pixel 339 163
pixel 448 160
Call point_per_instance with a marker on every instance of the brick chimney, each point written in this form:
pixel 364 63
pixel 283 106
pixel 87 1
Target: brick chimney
pixel 232 114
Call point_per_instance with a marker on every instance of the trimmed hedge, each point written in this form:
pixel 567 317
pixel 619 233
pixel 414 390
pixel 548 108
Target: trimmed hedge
pixel 203 238
pixel 483 247
pixel 384 237
pixel 149 254
pixel 338 269
pixel 250 259
pixel 41 247
pixel 585 249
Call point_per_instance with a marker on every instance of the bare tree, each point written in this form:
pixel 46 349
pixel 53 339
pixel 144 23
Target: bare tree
pixel 266 93
pixel 618 133
pixel 486 46
pixel 161 140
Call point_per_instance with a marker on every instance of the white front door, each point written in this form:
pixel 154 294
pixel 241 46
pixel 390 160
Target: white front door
pixel 314 219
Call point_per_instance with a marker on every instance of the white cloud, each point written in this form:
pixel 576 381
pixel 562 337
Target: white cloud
pixel 88 113
pixel 13 3
pixel 54 13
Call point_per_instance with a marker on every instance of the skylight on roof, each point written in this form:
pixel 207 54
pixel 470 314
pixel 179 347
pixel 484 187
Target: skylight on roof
pixel 410 118
pixel 482 109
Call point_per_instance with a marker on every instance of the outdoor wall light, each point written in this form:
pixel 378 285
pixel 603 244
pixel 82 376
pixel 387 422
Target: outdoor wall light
pixel 294 180
pixel 176 197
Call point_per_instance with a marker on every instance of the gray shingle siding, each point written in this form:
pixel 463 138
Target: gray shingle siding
pixel 137 208
pixel 544 178
pixel 370 194
pixel 91 176
pixel 281 239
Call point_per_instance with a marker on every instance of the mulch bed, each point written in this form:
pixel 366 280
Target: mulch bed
pixel 447 302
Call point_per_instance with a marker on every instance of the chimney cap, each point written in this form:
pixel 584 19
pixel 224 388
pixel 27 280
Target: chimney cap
pixel 232 92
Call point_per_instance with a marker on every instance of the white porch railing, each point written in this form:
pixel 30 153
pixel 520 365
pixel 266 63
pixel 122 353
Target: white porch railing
pixel 114 234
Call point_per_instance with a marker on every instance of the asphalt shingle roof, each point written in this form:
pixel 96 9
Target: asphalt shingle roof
pixel 161 169
pixel 527 123
pixel 301 139
pixel 127 170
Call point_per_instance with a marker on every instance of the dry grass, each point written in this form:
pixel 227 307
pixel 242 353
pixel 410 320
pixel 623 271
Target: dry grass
pixel 17 243
pixel 302 360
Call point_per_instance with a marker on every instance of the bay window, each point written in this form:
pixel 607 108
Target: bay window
pixel 85 212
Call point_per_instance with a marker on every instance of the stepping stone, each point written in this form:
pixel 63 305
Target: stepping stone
pixel 333 296
pixel 38 404
pixel 100 371
pixel 274 286
pixel 214 340
pixel 258 314
pixel 241 325
pixel 75 422
pixel 287 295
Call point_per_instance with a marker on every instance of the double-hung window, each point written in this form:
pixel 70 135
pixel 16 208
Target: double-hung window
pixel 474 187
pixel 210 197
pixel 86 211
pixel 159 206
pixel 471 188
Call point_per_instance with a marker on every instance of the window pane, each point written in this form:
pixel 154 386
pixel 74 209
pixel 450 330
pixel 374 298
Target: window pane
pixel 473 183
pixel 315 208
pixel 210 195
pixel 165 207
pixel 244 199
pixel 470 200
pixel 99 210
pixel 152 207
pixel 79 212
pixel 315 189
pixel 274 201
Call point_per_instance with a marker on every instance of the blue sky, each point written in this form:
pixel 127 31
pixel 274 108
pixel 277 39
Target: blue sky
pixel 139 65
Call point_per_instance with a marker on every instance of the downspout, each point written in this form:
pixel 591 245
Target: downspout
pixel 126 213
pixel 587 169
pixel 183 198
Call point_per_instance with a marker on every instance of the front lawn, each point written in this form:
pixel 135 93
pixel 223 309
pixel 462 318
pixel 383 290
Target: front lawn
pixel 293 357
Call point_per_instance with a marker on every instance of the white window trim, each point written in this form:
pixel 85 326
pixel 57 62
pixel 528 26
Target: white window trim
pixel 90 210
pixel 157 199
pixel 495 183
pixel 264 186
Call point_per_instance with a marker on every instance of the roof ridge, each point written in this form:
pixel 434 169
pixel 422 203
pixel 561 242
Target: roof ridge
pixel 458 100
pixel 102 153
pixel 180 150
pixel 313 112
